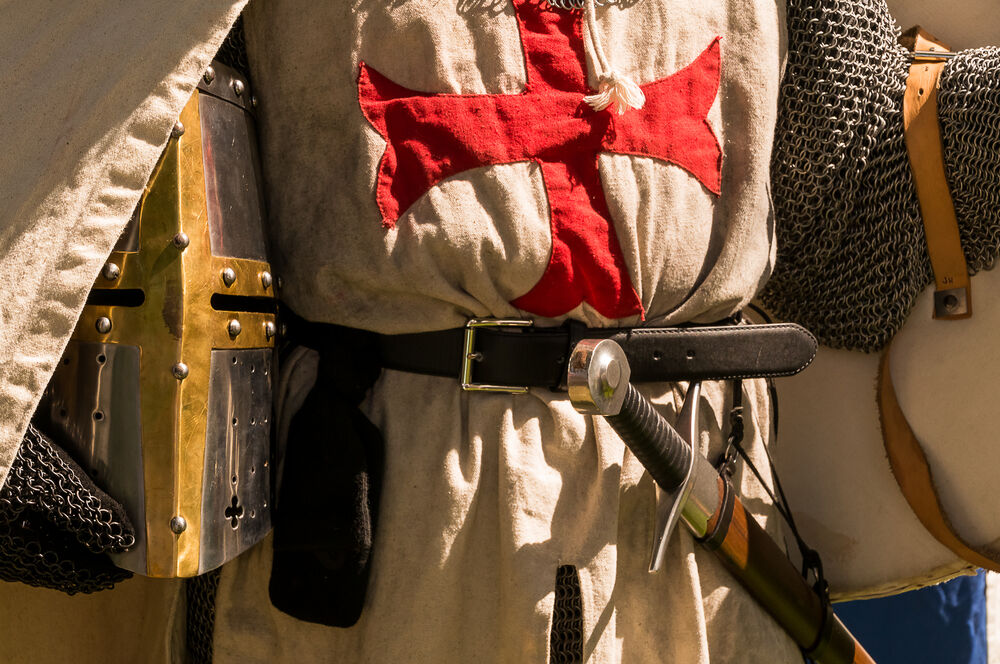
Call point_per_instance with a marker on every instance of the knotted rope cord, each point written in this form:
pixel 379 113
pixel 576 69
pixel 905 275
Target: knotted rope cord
pixel 613 88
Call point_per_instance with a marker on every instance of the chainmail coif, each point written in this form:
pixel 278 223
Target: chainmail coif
pixel 56 525
pixel 851 251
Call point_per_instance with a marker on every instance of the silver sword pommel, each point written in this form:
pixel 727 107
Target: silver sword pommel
pixel 598 383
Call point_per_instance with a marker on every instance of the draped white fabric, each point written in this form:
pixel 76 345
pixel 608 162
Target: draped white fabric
pixel 90 91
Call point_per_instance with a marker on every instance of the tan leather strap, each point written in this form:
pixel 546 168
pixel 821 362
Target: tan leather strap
pixel 952 297
pixel 922 131
pixel 913 474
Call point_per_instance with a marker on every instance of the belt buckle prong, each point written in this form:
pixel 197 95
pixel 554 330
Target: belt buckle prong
pixel 469 353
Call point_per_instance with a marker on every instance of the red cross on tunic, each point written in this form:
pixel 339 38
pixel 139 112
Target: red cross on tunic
pixel 430 137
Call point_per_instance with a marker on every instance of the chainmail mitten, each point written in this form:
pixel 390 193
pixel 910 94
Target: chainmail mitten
pixel 851 251
pixel 56 526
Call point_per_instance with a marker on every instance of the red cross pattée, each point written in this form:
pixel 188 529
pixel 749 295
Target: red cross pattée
pixel 430 137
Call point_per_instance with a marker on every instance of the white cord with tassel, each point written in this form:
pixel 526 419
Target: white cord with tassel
pixel 613 89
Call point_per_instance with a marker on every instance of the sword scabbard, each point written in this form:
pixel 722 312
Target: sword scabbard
pixel 598 384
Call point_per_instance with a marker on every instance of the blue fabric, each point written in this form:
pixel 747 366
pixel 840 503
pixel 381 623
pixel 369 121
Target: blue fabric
pixel 941 624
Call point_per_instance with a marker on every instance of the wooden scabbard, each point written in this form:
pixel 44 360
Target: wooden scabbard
pixel 708 504
pixel 765 571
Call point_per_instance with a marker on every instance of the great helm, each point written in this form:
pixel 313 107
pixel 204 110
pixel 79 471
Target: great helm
pixel 164 392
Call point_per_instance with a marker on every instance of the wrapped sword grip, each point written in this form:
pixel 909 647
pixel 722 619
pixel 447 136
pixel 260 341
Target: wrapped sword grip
pixel 652 440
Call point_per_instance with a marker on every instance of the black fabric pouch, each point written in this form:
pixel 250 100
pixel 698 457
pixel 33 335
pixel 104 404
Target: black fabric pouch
pixel 325 516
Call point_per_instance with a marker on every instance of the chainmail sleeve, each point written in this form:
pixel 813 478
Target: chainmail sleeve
pixel 852 256
pixel 56 525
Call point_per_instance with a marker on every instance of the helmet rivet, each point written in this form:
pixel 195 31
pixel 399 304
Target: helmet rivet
pixel 265 280
pixel 178 130
pixel 238 87
pixel 209 75
pixel 180 371
pixel 178 524
pixel 234 328
pixel 269 330
pixel 103 324
pixel 111 272
pixel 228 276
pixel 181 240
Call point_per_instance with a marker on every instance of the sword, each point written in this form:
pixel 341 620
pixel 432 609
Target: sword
pixel 690 489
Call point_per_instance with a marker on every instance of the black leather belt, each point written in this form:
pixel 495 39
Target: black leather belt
pixel 511 355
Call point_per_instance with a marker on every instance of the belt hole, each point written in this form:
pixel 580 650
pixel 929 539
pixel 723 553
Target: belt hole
pixel 657 355
pixel 690 354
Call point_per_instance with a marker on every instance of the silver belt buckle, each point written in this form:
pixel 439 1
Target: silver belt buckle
pixel 469 353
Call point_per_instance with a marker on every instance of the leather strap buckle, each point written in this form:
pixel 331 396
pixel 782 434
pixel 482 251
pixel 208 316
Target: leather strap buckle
pixel 470 355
